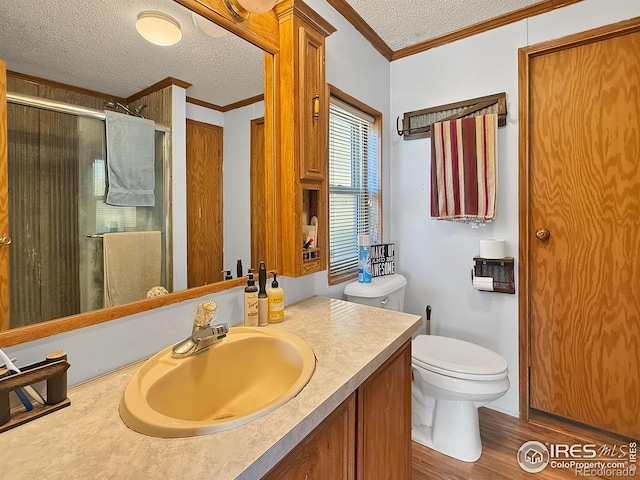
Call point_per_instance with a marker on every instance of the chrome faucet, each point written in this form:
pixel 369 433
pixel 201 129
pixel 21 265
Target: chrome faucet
pixel 203 334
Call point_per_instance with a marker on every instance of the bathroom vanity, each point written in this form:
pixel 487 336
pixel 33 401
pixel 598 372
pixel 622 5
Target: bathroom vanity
pixel 353 415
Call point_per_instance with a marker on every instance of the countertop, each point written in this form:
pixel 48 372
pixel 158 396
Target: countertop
pixel 87 440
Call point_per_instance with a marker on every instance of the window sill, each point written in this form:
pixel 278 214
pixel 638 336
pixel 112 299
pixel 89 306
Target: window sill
pixel 336 279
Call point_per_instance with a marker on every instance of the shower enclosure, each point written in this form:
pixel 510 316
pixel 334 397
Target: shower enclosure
pixel 57 209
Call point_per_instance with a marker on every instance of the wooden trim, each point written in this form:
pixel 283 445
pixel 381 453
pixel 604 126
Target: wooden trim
pixel 243 103
pixel 167 82
pixel 286 146
pixel 354 102
pixel 363 27
pixel 271 105
pixel 260 30
pixel 71 88
pixel 376 41
pixel 4 201
pixel 345 277
pixel 524 238
pixel 197 123
pixel 577 39
pixel 202 103
pixel 226 108
pixel 334 91
pixel 305 13
pixel 577 430
pixel 506 19
pixel 524 228
pixel 81 320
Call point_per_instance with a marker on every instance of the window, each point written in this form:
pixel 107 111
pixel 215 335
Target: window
pixel 354 193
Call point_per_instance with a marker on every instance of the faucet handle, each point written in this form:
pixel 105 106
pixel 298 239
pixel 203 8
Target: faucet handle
pixel 205 314
pixel 217 332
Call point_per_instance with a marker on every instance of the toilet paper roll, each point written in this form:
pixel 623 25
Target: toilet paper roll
pixel 492 248
pixel 483 283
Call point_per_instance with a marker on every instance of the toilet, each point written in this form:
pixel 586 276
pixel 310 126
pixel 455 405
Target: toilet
pixel 384 292
pixel 452 378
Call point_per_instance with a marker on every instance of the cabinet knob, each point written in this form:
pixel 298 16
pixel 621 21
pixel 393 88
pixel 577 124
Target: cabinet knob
pixel 543 234
pixel 5 240
pixel 316 106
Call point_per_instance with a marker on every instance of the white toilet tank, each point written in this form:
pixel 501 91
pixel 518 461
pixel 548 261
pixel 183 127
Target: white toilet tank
pixel 384 292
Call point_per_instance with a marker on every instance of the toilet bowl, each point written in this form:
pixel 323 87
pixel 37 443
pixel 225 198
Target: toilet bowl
pixel 451 379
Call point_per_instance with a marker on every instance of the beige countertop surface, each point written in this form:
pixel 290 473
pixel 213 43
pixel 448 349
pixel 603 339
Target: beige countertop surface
pixel 87 440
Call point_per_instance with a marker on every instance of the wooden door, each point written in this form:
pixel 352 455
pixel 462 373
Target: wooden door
pixel 204 204
pixel 584 189
pixel 4 213
pixel 259 207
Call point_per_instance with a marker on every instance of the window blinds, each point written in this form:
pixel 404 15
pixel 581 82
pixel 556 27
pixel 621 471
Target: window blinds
pixel 353 185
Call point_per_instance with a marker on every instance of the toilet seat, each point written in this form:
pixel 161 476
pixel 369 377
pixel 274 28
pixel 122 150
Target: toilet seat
pixel 456 358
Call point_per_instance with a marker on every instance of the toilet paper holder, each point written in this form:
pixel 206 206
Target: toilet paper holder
pixel 501 270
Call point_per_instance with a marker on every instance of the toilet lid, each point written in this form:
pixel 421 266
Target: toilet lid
pixel 453 355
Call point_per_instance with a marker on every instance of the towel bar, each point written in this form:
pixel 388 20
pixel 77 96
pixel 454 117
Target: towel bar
pixel 419 121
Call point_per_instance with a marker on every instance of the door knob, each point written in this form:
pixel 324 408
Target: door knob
pixel 543 234
pixel 5 240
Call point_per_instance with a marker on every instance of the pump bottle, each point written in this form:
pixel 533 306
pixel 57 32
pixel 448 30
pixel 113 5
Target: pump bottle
pixel 263 301
pixel 251 303
pixel 276 301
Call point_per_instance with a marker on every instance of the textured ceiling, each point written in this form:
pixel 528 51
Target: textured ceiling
pixel 401 23
pixel 94 45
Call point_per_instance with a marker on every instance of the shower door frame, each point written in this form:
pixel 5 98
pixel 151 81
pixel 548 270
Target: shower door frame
pixel 62 107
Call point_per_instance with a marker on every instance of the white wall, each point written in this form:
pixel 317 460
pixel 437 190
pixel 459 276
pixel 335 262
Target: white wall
pixel 179 187
pixel 356 68
pixel 101 348
pixel 436 256
pixel 235 177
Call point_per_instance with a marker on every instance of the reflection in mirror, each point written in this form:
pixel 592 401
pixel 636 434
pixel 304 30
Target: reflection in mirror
pixel 89 55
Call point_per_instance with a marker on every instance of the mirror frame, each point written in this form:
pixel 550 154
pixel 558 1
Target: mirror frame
pixel 260 30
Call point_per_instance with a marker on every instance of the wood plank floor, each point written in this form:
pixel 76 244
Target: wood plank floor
pixel 502 436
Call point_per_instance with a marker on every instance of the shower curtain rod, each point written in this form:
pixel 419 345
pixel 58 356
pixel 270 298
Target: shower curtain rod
pixel 55 106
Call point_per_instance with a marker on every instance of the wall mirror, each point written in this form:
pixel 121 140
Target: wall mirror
pixel 90 54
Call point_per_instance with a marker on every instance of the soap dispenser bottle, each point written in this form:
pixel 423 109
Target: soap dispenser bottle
pixel 263 301
pixel 275 295
pixel 251 303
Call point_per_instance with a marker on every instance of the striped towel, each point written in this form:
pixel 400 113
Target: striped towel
pixel 464 169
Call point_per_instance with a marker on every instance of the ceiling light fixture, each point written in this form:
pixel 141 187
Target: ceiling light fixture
pixel 243 8
pixel 208 27
pixel 158 28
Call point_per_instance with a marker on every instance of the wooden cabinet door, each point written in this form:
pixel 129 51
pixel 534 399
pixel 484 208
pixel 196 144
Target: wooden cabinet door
pixel 327 453
pixel 384 421
pixel 311 107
